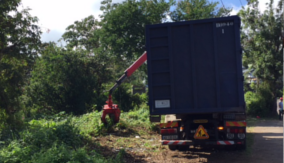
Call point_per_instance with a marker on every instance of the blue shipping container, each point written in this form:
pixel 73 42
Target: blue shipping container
pixel 195 66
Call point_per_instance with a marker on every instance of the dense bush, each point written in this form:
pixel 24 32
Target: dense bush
pixel 42 135
pixel 137 118
pixel 90 124
pixel 259 102
pixel 133 120
pixel 126 100
pixel 65 80
pixel 52 141
pixel 62 138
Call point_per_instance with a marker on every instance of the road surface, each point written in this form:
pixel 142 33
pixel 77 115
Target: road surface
pixel 267 146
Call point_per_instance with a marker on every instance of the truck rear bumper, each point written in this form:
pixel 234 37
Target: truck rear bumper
pixel 207 142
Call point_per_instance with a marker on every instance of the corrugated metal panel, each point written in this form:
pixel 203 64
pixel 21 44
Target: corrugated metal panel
pixel 195 66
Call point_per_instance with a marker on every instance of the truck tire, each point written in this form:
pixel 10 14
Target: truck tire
pixel 172 147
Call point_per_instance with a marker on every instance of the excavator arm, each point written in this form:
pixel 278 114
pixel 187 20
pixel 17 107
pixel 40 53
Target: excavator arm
pixel 112 109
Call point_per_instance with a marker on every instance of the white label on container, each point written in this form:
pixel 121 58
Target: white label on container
pixel 162 103
pixel 224 24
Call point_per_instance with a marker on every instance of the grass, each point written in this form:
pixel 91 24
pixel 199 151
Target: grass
pixel 134 133
pixel 63 138
pixel 60 138
pixel 48 141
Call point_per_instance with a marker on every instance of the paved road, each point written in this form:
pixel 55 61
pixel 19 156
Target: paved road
pixel 268 142
pixel 267 147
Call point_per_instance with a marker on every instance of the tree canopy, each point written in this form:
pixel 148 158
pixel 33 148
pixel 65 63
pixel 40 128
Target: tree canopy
pixel 82 34
pixel 19 47
pixel 123 25
pixel 198 9
pixel 262 43
pixel 66 80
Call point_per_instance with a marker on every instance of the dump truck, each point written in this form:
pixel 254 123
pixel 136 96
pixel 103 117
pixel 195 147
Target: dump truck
pixel 195 81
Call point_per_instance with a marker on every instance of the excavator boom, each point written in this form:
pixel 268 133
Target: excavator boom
pixel 112 109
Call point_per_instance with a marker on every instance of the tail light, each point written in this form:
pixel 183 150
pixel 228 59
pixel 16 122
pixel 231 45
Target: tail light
pixel 220 128
pixel 235 130
pixel 169 124
pixel 241 130
pixel 169 131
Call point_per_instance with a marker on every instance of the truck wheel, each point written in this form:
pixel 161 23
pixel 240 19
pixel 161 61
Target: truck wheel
pixel 172 147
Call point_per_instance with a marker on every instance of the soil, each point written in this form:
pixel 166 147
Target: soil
pixel 265 145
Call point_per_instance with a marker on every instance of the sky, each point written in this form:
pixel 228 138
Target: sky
pixel 56 15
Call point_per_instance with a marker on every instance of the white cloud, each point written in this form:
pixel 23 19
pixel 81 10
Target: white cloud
pixel 53 35
pixel 57 15
pixel 262 6
pixel 235 9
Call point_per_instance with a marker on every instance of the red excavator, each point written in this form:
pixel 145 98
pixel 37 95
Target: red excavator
pixel 112 109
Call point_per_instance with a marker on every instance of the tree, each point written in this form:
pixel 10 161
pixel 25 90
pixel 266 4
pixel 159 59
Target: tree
pixel 19 47
pixel 122 31
pixel 82 34
pixel 263 47
pixel 198 9
pixel 67 80
pixel 123 25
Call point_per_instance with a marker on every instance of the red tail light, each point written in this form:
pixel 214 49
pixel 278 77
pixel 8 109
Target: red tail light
pixel 236 130
pixel 169 124
pixel 241 130
pixel 233 130
pixel 169 131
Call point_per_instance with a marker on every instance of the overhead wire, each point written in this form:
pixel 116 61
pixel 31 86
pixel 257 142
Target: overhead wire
pixel 222 4
pixel 241 3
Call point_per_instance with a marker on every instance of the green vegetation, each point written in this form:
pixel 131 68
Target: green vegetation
pixel 63 138
pixel 126 100
pixel 123 26
pixel 19 45
pixel 198 9
pixel 258 102
pixel 68 81
pixel 90 124
pixel 51 97
pixel 263 54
